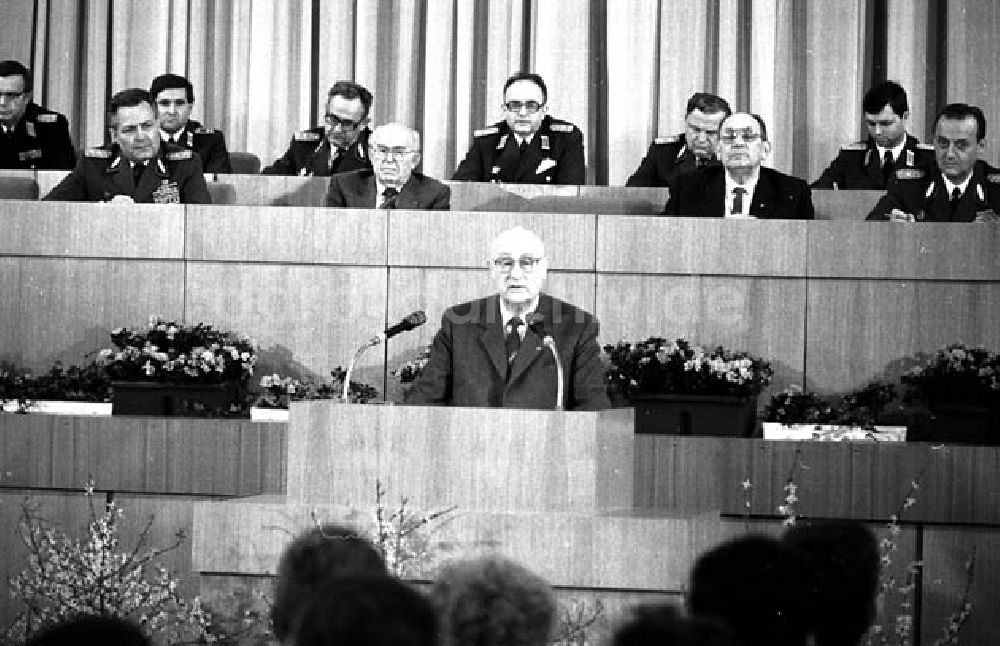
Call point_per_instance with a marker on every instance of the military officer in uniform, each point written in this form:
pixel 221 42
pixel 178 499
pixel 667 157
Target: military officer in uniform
pixel 872 164
pixel 30 135
pixel 959 188
pixel 339 146
pixel 137 166
pixel 173 97
pixel 528 146
pixel 669 157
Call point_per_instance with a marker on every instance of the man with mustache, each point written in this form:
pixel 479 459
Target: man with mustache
pixel 528 146
pixel 138 166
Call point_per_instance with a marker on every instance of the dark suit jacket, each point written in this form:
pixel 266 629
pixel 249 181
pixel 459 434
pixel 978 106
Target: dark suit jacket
pixel 209 144
pixel 357 190
pixel 927 199
pixel 173 176
pixel 468 365
pixel 667 158
pixel 777 196
pixel 40 140
pixel 858 166
pixel 495 156
pixel 309 154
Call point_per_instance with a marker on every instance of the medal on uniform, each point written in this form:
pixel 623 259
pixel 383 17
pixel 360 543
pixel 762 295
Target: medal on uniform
pixel 34 153
pixel 502 142
pixel 167 193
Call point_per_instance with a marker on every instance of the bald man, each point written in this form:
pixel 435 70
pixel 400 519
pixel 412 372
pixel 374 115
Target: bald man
pixel 391 183
pixel 490 352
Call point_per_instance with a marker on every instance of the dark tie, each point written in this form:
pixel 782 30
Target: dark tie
pixel 956 197
pixel 336 156
pixel 886 167
pixel 137 170
pixel 524 145
pixel 738 193
pixel 513 341
pixel 389 198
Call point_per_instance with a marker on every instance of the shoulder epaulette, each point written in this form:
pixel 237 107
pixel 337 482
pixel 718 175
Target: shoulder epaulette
pixel 860 145
pixel 485 132
pixel 562 127
pixel 98 153
pixel 909 173
pixel 179 155
pixel 673 139
pixel 925 147
pixel 306 135
pixel 205 131
pixel 47 118
pixel 993 178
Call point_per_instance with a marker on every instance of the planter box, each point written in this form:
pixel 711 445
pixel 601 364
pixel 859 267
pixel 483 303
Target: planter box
pixel 53 407
pixel 715 415
pixel 185 400
pixel 268 414
pixel 832 433
pixel 964 424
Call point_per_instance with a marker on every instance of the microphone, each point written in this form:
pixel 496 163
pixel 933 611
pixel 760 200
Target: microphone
pixel 536 323
pixel 410 322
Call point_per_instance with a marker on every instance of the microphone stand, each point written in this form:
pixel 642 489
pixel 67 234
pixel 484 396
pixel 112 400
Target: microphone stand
pixel 550 343
pixel 350 369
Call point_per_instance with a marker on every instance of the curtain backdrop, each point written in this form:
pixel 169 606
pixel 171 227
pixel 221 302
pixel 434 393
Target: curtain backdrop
pixel 621 70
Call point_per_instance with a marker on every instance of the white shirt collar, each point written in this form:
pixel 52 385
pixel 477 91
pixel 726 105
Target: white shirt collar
pixel 896 151
pixel 518 139
pixel 506 313
pixel 951 186
pixel 750 186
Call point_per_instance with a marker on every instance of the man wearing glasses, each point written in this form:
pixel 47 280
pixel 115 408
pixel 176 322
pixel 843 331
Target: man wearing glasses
pixel 30 135
pixel 491 352
pixel 528 146
pixel 339 146
pixel 669 157
pixel 391 183
pixel 741 188
pixel 174 97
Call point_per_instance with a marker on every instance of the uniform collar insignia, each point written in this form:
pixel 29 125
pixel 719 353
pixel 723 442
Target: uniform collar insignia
pixel 868 156
pixel 930 190
pixel 115 163
pixel 29 127
pixel 910 158
pixel 359 149
pixel 190 138
pixel 502 142
pixel 680 153
pixel 545 141
pixel 160 165
pixel 980 193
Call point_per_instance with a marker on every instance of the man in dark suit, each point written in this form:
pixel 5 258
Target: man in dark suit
pixel 393 184
pixel 960 188
pixel 741 188
pixel 872 164
pixel 669 157
pixel 138 166
pixel 30 135
pixel 173 97
pixel 528 146
pixel 338 147
pixel 490 352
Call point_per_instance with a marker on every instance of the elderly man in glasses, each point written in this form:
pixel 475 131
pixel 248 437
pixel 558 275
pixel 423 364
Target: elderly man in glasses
pixel 491 352
pixel 741 188
pixel 528 146
pixel 391 183
pixel 30 135
pixel 339 146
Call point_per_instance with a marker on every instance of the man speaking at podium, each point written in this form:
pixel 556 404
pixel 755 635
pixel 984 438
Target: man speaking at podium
pixel 491 352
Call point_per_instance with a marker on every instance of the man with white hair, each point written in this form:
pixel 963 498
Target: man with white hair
pixel 490 352
pixel 391 183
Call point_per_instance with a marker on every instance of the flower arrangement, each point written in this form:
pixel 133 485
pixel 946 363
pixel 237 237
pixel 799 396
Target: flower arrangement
pixel 171 352
pixel 865 407
pixel 413 368
pixel 87 383
pixel 279 391
pixel 657 365
pixel 957 374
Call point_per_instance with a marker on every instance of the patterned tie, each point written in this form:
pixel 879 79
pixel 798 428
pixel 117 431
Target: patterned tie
pixel 887 164
pixel 956 197
pixel 738 194
pixel 513 341
pixel 389 196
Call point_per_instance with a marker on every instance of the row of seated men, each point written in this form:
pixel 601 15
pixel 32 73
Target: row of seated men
pixel 714 169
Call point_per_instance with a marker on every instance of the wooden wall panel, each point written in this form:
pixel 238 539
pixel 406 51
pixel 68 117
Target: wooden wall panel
pixel 149 455
pixel 973 28
pixel 945 553
pixel 614 200
pixel 757 315
pixel 307 319
pixel 449 239
pixel 69 306
pixel 885 250
pixel 10 310
pixel 861 329
pixel 851 206
pixel 92 230
pixel 701 246
pixel 911 59
pixel 168 517
pixel 276 190
pixel 312 236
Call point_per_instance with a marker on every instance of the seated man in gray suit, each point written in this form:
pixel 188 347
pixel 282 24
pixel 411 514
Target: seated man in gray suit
pixel 391 183
pixel 490 352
